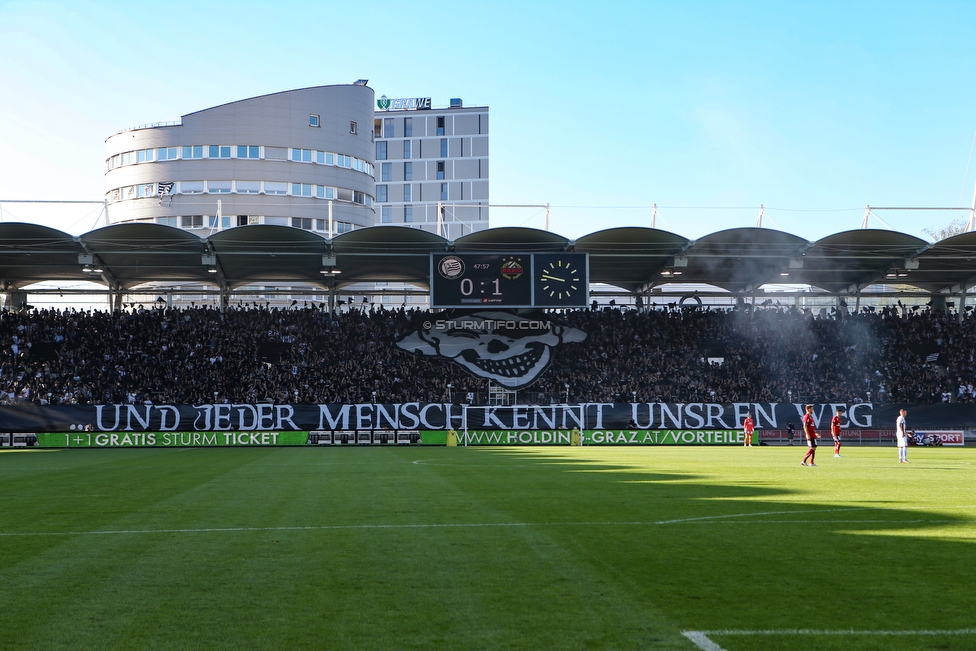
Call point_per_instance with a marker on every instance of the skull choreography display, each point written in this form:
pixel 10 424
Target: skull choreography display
pixel 509 349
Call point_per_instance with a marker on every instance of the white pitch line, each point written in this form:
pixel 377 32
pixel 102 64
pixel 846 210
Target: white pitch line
pixel 810 631
pixel 701 640
pixel 760 513
pixel 459 525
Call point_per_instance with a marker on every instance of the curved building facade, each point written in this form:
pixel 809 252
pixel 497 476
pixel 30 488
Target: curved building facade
pixel 300 158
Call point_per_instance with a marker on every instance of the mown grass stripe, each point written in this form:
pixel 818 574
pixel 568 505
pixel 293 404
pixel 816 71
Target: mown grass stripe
pixel 453 525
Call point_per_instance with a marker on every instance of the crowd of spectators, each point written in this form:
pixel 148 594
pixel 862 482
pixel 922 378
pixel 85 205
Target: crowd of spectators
pixel 200 355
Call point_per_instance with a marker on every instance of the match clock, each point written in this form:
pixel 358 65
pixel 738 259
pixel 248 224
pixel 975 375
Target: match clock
pixel 560 280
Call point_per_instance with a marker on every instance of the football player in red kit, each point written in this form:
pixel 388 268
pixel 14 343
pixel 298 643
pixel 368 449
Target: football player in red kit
pixel 748 426
pixel 810 434
pixel 835 432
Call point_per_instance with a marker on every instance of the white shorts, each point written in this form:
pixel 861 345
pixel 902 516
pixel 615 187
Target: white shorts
pixel 902 441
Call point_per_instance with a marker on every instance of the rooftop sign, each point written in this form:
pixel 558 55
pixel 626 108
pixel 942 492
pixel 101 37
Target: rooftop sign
pixel 403 103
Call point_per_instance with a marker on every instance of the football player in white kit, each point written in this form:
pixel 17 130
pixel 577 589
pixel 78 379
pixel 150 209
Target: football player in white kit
pixel 902 435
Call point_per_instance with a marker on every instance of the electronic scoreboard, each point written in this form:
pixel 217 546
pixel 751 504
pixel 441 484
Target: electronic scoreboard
pixel 511 280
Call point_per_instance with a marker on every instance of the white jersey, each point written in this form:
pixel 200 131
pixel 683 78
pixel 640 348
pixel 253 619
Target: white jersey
pixel 900 432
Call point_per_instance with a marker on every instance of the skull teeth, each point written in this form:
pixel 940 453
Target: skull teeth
pixel 516 366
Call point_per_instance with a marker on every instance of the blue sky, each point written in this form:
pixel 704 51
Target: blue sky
pixel 707 109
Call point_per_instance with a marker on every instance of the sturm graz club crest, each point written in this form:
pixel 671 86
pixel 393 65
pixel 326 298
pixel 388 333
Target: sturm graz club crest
pixel 509 349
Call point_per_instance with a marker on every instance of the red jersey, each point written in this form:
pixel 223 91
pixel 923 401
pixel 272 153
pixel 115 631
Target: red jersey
pixel 809 428
pixel 748 425
pixel 835 426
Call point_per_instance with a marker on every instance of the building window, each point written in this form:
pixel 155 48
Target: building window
pixel 219 151
pixel 248 151
pixel 443 147
pixel 304 223
pixel 358 197
pixel 343 161
pixel 191 187
pixel 407 127
pixel 218 187
pixel 320 224
pixel 353 128
pixel 166 153
pixel 145 155
pixel 343 227
pixel 408 213
pixel 276 153
pixel 191 221
pixel 313 120
pixel 145 189
pixel 440 169
pixel 248 187
pixel 275 187
pixel 406 149
pixel 381 150
pixel 388 128
pixel 406 192
pixel 408 171
pixel 387 214
pixel 301 189
pixel 382 193
pixel 386 173
pixel 443 191
pixel 440 125
pixel 301 155
pixel 167 221
pixel 194 151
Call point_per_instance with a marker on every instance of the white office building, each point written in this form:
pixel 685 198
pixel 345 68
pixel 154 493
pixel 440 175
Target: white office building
pixel 300 158
pixel 326 159
pixel 431 165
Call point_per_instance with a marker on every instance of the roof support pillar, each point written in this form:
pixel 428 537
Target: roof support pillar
pixel 332 298
pixel 962 304
pixel 115 297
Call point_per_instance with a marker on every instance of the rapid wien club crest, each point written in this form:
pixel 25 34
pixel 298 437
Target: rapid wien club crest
pixel 512 268
pixel 509 349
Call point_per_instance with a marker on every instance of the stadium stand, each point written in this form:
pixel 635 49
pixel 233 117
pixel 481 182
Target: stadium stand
pixel 197 355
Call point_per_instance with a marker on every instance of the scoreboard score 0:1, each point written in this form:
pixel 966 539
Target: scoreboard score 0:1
pixel 480 279
pixel 508 280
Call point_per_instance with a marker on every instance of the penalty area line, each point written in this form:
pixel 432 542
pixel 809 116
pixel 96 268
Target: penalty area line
pixel 701 638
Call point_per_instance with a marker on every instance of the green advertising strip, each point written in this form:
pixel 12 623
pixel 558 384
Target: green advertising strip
pixel 590 437
pixel 168 439
pixel 437 437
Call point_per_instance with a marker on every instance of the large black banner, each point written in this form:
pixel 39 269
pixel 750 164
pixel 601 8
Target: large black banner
pixel 433 416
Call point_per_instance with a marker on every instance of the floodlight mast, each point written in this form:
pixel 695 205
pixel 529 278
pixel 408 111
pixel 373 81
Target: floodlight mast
pixel 972 213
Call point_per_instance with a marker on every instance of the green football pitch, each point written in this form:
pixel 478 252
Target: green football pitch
pixel 487 548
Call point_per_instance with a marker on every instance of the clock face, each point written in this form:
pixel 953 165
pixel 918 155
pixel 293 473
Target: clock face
pixel 560 279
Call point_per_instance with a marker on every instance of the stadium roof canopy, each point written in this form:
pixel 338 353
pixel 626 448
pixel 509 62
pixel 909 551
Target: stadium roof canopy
pixel 740 260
